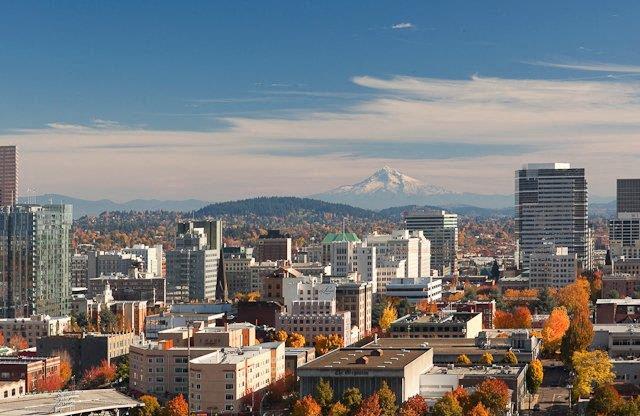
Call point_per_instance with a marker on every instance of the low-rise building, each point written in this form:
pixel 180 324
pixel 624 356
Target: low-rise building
pixel 487 308
pixel 614 311
pixel 438 325
pixel 415 289
pixel 225 379
pixel 87 349
pixel 131 287
pixel 30 370
pixel 366 368
pixel 316 317
pixel 165 320
pixel 259 312
pixel 237 335
pixel 620 285
pixel 34 327
pixel 12 388
pixel 619 340
pixel 297 357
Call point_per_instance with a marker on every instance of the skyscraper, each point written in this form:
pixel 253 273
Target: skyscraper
pixel 624 230
pixel 35 260
pixel 8 175
pixel 212 228
pixel 551 207
pixel 441 229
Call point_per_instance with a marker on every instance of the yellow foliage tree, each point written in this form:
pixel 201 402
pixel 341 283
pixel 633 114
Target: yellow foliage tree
pixel 296 340
pixel 281 336
pixel 592 368
pixel 324 343
pixel 389 314
pixel 486 359
pixel 575 297
pixel 554 329
pixel 463 359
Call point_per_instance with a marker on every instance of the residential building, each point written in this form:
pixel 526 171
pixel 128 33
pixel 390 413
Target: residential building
pixel 273 246
pixel 356 298
pixel 29 370
pixel 317 317
pixel 35 260
pixel 628 196
pixel 87 350
pixel 238 272
pixel 441 229
pixel 34 327
pixel 551 207
pixel 552 266
pixel 366 368
pixel 624 265
pixel 224 380
pixel 438 325
pixel 151 257
pixel 415 289
pixel 8 175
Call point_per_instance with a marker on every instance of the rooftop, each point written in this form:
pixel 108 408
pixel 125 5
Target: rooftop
pixel 78 402
pixel 437 318
pixel 625 301
pixel 229 355
pixel 338 237
pixel 367 358
pixel 477 370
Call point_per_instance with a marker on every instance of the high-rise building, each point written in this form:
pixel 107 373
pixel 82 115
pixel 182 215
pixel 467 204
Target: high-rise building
pixel 211 228
pixel 192 268
pixel 8 175
pixel 551 207
pixel 411 246
pixel 552 266
pixel 273 246
pixel 35 260
pixel 152 257
pixel 441 229
pixel 624 230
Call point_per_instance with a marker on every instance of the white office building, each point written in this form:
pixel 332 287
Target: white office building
pixel 552 266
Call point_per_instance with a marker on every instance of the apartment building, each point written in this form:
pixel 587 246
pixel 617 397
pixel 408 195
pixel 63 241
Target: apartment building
pixel 356 298
pixel 317 317
pixel 225 379
pixel 34 327
pixel 552 266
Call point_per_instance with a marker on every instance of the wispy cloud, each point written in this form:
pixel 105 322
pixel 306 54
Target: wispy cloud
pixel 403 25
pixel 589 66
pixel 464 134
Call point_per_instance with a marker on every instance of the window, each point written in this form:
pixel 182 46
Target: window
pixel 228 386
pixel 228 396
pixel 228 375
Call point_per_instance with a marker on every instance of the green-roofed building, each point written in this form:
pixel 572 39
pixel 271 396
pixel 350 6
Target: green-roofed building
pixel 341 245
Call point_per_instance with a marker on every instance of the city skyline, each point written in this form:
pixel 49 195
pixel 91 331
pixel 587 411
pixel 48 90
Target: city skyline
pixel 220 102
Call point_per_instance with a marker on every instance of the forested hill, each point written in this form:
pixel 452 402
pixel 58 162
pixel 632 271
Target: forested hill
pixel 278 206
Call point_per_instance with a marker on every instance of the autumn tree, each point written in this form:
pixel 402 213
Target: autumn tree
pixel 52 382
pixel 592 368
pixel 605 401
pixel 575 297
pixel 414 406
pixel 324 395
pixel 387 399
pixel 478 410
pixel 535 375
pixel 151 406
pixel 2 340
pixel 486 359
pixel 447 405
pixel 99 375
pixel 493 394
pixel 18 342
pixel 389 314
pixel 352 398
pixel 522 317
pixel 177 406
pixel 510 358
pixel 296 340
pixel 324 344
pixel 577 338
pixel 370 406
pixel 306 406
pixel 554 329
pixel 281 336
pixel 463 359
pixel 426 306
pixel 338 409
pixel 66 366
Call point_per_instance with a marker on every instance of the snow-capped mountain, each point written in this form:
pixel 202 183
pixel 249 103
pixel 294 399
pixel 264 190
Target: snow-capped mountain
pixel 391 181
pixel 389 187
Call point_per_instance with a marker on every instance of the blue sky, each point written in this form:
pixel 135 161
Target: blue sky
pixel 219 100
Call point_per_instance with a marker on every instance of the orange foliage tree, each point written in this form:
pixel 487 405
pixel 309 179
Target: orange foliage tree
pixel 307 406
pixel 520 318
pixel 2 340
pixel 575 297
pixel 52 382
pixel 177 406
pixel 324 344
pixel 17 342
pixel 478 410
pixel 493 394
pixel 66 367
pixel 370 406
pixel 414 406
pixel 554 329
pixel 426 306
pixel 100 375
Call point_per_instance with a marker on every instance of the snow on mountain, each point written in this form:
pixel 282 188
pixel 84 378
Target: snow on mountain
pixel 390 180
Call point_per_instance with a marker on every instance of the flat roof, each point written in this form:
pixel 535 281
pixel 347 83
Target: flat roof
pixel 477 370
pixel 630 327
pixel 625 301
pixel 437 318
pixel 345 358
pixel 229 356
pixel 79 402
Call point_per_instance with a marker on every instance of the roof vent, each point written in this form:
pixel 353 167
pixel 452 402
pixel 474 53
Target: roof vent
pixel 377 353
pixel 362 360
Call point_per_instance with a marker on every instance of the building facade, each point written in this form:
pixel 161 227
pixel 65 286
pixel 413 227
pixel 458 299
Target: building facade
pixel 8 175
pixel 441 229
pixel 552 266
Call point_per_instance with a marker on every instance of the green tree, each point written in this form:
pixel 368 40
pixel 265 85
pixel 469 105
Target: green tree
pixel 352 398
pixel 613 294
pixel 82 320
pixel 535 375
pixel 108 320
pixel 324 395
pixel 546 301
pixel 495 270
pixel 577 338
pixel 387 400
